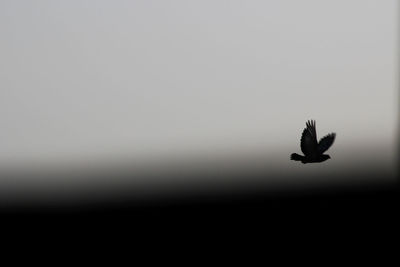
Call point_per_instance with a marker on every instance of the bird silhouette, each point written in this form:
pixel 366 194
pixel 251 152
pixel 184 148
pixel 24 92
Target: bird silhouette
pixel 312 149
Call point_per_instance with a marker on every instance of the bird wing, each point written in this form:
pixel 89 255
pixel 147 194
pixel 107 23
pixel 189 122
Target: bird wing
pixel 326 142
pixel 311 127
pixel 309 143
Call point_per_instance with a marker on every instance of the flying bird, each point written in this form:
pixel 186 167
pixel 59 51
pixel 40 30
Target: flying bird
pixel 312 149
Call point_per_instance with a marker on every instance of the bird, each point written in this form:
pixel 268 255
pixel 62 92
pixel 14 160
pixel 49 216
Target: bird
pixel 312 149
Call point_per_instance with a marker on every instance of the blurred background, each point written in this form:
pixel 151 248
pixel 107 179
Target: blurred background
pixel 103 96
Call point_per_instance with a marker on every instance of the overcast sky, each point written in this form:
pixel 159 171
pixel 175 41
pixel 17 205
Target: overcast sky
pixel 96 79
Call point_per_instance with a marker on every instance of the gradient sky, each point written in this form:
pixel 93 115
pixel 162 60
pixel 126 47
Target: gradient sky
pixel 101 79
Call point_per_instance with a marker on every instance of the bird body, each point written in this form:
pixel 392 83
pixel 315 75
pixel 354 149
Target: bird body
pixel 312 149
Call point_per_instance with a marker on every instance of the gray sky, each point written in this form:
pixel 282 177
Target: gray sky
pixel 83 80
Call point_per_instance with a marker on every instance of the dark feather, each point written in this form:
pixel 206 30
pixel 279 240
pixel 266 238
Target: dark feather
pixel 311 127
pixel 326 142
pixel 308 142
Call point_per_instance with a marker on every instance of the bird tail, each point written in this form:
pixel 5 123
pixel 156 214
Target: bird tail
pixel 296 157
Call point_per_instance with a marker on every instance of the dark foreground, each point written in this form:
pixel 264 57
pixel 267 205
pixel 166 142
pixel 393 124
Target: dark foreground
pixel 365 211
pixel 372 199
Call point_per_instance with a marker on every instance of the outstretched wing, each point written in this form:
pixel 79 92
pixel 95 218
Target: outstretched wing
pixel 309 143
pixel 326 142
